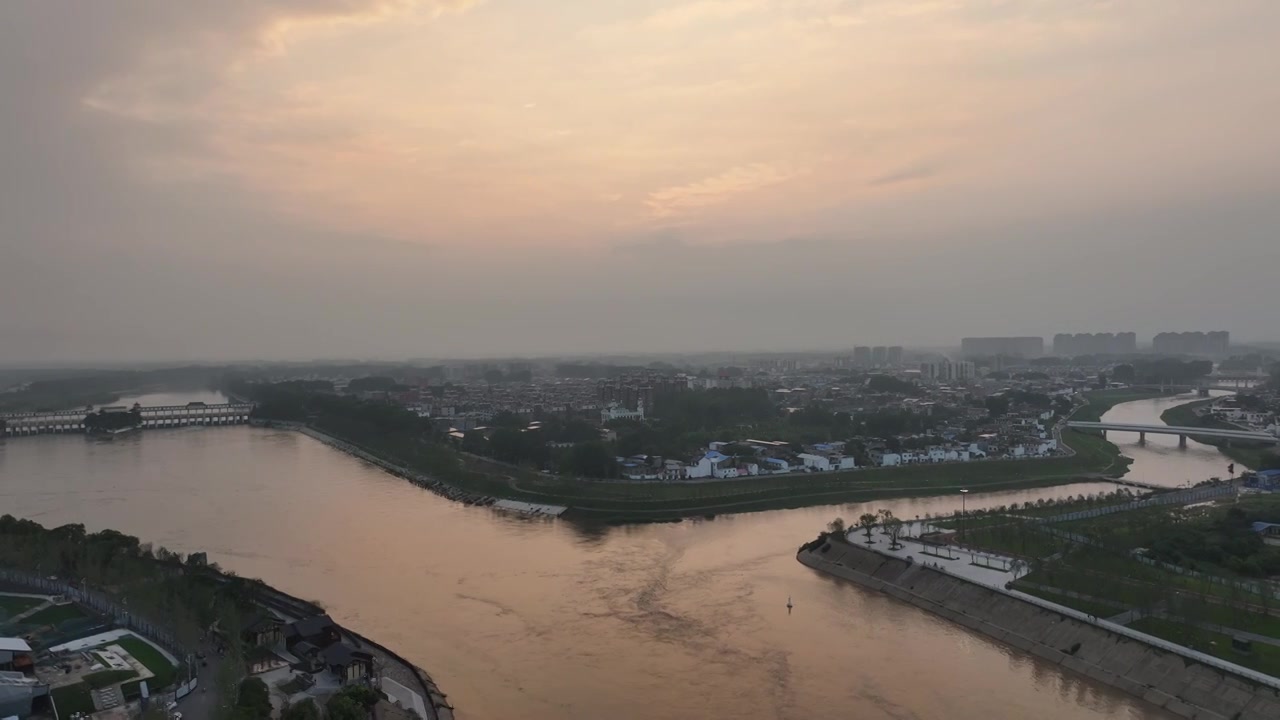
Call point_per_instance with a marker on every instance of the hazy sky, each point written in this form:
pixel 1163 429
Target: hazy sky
pixel 360 178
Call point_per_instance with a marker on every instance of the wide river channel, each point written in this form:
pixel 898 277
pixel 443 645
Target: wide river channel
pixel 533 618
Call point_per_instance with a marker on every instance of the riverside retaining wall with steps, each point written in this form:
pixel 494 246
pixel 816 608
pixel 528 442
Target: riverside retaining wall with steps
pixel 1182 686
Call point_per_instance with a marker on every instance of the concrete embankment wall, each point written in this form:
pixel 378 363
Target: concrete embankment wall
pixel 1178 684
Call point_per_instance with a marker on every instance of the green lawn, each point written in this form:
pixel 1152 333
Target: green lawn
pixel 1253 622
pixel 11 605
pixel 1013 539
pixel 1092 607
pixel 165 672
pixel 56 614
pixel 1264 658
pixel 72 699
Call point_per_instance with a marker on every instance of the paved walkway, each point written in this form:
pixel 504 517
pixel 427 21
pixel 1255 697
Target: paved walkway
pixel 1255 637
pixel 996 571
pixel 94 641
pixel 981 567
pixel 996 579
pixel 28 613
pixel 1125 617
pixel 204 702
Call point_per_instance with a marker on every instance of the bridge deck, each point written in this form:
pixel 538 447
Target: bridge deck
pixel 1175 430
pixel 156 416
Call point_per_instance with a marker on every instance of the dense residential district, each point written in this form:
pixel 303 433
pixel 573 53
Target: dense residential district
pixel 1000 399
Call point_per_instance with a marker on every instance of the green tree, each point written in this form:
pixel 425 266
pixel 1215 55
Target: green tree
pixel 474 441
pixel 592 459
pixel 1124 373
pixel 364 696
pixel 893 527
pixel 836 527
pixel 997 405
pixel 342 707
pixel 890 384
pixel 740 450
pixel 1269 461
pixel 254 697
pixel 372 384
pixel 867 521
pixel 506 419
pixel 508 445
pixel 304 710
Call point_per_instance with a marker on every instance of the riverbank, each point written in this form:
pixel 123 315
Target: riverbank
pixel 619 502
pixel 512 614
pixel 475 480
pixel 393 665
pixel 426 482
pixel 1176 679
pixel 183 597
pixel 1098 402
pixel 1243 453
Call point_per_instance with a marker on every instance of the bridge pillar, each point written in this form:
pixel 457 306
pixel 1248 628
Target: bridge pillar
pixel 1182 441
pixel 1142 438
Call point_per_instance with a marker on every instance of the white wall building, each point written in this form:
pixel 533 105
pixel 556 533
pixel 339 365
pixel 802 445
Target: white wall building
pixel 947 371
pixel 618 412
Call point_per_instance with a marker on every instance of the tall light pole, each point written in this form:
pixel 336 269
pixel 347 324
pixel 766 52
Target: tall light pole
pixel 964 493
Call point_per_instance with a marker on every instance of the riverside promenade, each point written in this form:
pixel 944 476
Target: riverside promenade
pixel 995 572
pixel 1185 683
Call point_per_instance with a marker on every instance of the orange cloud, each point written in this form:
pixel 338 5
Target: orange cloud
pixel 681 199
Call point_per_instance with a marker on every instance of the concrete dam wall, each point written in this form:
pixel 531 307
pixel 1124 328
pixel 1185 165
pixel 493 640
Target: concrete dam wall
pixel 1178 684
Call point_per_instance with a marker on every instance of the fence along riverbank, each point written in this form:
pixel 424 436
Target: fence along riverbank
pixel 1182 681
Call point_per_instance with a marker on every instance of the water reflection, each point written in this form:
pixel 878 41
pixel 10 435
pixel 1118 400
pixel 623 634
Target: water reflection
pixel 1160 460
pixel 543 619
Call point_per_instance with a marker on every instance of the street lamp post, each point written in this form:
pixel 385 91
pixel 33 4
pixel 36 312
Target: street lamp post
pixel 964 493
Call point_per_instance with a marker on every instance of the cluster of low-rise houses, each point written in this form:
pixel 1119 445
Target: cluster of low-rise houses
pixel 951 399
pixel 1260 414
pixel 772 457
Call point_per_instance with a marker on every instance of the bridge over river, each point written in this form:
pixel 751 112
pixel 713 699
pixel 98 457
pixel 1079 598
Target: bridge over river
pixel 1181 431
pixel 156 416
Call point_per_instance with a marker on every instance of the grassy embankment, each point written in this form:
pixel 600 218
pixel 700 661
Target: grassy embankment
pixel 650 501
pixel 1247 454
pixel 1263 658
pixel 1105 579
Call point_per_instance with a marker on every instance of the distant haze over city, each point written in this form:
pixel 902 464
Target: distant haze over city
pixel 370 179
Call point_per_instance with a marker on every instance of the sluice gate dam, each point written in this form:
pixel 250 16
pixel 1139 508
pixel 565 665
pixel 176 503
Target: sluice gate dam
pixel 157 416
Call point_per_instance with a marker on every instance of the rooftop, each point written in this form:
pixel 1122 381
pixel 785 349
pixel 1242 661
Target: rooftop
pixel 14 645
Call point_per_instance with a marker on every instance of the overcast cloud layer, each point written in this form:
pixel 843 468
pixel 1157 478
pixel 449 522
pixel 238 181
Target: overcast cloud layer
pixel 380 178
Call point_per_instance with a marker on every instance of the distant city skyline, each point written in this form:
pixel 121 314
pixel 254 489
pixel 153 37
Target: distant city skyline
pixel 468 178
